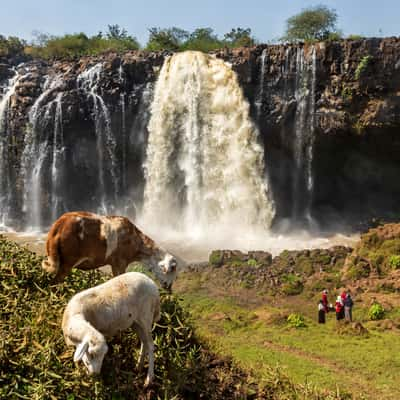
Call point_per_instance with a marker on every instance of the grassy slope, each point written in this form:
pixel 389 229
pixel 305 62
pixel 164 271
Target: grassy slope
pixel 257 336
pixel 35 363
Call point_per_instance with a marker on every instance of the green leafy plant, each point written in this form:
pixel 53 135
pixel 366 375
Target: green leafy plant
pixel 355 37
pixel 216 258
pixel 296 321
pixel 252 262
pixel 376 312
pixel 394 261
pixel 292 285
pixel 362 66
pixel 347 93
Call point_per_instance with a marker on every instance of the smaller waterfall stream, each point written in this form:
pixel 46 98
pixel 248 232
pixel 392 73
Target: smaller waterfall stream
pixel 304 134
pixel 260 94
pixel 108 176
pixel 42 155
pixel 5 184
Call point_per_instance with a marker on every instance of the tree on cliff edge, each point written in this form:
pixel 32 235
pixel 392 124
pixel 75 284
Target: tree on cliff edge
pixel 314 23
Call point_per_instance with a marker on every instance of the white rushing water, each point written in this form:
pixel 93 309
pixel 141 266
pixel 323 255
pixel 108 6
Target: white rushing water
pixel 303 144
pixel 106 143
pixel 42 145
pixel 5 185
pixel 260 93
pixel 204 168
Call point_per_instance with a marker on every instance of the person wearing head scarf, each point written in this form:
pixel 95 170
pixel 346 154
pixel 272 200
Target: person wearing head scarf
pixel 325 300
pixel 339 308
pixel 321 312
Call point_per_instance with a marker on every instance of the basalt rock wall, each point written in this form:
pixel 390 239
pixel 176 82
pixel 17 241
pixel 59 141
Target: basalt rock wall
pixel 328 115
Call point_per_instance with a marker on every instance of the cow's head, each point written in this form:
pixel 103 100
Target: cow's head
pixel 168 270
pixel 92 353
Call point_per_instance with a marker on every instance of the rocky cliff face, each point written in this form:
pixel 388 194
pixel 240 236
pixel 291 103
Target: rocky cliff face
pixel 329 117
pixel 332 108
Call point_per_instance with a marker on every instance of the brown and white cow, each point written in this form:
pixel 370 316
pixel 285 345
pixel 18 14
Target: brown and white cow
pixel 86 241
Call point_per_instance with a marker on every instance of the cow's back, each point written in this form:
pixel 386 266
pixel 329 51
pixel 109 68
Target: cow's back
pixel 78 237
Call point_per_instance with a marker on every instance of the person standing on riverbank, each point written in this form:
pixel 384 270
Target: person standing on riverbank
pixel 348 308
pixel 325 300
pixel 321 312
pixel 339 308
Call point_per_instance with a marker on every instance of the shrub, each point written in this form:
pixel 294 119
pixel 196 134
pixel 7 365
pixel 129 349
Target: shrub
pixel 362 66
pixel 394 261
pixel 347 93
pixel 292 285
pixel 296 321
pixel 359 270
pixel 216 258
pixel 252 262
pixel 355 37
pixel 376 312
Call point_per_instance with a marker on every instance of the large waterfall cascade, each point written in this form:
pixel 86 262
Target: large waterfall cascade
pixel 204 166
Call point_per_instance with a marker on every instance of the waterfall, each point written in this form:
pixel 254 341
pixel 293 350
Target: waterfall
pixel 204 164
pixel 304 134
pixel 121 79
pixel 5 167
pixel 108 176
pixel 260 94
pixel 58 155
pixel 43 155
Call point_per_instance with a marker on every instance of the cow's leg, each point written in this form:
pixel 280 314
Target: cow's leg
pixel 61 274
pixel 118 268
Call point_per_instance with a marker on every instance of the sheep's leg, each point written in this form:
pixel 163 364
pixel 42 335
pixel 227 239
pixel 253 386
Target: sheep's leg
pixel 142 338
pixel 150 350
pixel 147 346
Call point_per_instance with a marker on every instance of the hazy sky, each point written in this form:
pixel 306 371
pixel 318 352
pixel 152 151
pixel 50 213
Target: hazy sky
pixel 266 18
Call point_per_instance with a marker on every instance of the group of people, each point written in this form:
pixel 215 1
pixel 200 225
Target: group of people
pixel 343 307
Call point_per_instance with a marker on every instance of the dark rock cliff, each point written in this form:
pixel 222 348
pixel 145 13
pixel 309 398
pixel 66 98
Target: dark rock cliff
pixel 356 125
pixel 328 114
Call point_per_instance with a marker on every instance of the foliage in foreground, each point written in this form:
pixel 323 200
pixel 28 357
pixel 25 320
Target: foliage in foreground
pixel 36 364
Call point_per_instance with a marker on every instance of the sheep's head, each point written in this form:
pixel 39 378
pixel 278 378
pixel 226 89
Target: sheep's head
pixel 91 351
pixel 168 268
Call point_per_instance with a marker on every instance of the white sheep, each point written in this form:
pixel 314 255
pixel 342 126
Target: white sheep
pixel 130 299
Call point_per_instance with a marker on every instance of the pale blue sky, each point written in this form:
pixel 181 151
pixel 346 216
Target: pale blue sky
pixel 266 18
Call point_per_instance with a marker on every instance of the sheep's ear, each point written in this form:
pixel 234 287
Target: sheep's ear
pixel 81 350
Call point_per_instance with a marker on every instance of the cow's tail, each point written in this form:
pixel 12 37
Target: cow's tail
pixel 51 264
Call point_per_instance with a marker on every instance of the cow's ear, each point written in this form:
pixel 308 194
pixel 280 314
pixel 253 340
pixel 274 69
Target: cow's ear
pixel 81 350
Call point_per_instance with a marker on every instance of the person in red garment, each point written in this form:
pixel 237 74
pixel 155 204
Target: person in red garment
pixel 325 300
pixel 343 295
pixel 339 308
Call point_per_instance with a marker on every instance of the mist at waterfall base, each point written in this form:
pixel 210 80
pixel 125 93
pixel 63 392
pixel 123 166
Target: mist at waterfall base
pixel 204 182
